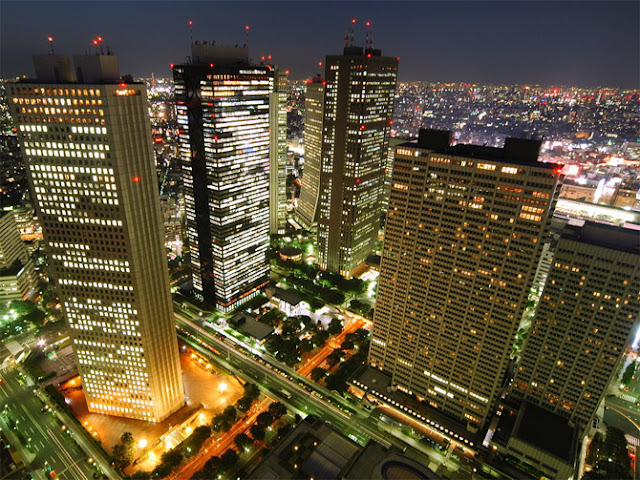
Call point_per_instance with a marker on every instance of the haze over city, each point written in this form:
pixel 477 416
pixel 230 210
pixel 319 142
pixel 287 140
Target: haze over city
pixel 563 43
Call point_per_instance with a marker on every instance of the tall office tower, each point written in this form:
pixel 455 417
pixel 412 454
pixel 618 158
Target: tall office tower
pixel 278 152
pixel 17 275
pixel 388 170
pixel 356 126
pixel 87 147
pixel 462 243
pixel 314 104
pixel 584 319
pixel 223 112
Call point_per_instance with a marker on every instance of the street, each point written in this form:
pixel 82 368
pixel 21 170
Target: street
pixel 303 395
pixel 47 439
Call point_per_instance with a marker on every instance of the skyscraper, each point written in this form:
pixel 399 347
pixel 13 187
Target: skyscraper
pixel 314 104
pixel 358 104
pixel 278 152
pixel 462 243
pixel 223 113
pixel 17 276
pixel 87 148
pixel 585 317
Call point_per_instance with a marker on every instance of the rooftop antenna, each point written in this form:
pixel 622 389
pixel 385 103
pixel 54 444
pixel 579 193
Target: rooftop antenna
pixel 246 36
pixel 51 49
pixel 368 37
pixel 100 44
pixel 351 32
pixel 191 31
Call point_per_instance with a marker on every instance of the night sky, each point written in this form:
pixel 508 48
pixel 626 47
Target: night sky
pixel 582 43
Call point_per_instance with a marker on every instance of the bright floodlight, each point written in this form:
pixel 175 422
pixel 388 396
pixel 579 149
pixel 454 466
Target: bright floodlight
pixel 222 387
pixel 41 342
pixel 142 443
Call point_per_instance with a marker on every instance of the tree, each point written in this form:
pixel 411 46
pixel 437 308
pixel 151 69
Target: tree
pixel 141 475
pixel 320 337
pixel 318 373
pixel 277 410
pixel 627 376
pixel 223 421
pixel 124 451
pixel 347 345
pixel 251 390
pixel 334 357
pixel 242 440
pixel 264 419
pixel 244 404
pixel 228 460
pixel 306 345
pixel 335 327
pixel 194 442
pixel 257 432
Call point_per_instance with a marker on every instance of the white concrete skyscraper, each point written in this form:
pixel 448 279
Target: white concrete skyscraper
pixel 86 142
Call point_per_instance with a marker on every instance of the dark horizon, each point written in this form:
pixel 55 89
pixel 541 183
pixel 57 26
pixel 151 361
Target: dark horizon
pixel 578 44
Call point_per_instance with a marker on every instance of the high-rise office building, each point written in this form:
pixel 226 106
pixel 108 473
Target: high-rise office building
pixel 358 105
pixel 314 104
pixel 223 113
pixel 87 147
pixel 462 243
pixel 278 152
pixel 585 317
pixel 17 275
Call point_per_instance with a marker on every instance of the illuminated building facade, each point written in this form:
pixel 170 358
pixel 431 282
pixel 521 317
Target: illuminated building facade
pixel 223 113
pixel 278 152
pixel 583 322
pixel 358 104
pixel 314 104
pixel 462 244
pixel 17 275
pixel 87 148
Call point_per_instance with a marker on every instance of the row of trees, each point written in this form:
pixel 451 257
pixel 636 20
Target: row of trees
pixel 338 380
pixel 226 462
pixel 288 347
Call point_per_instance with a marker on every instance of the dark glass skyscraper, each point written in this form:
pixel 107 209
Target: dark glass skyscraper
pixel 223 112
pixel 358 105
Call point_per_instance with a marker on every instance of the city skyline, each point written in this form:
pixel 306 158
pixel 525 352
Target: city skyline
pixel 584 44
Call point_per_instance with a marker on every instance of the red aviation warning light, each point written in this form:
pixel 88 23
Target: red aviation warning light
pixel 136 179
pixel 171 65
pixel 95 42
pixel 353 20
pixel 246 28
pixel 269 57
pixel 50 39
pixel 100 39
pixel 368 24
pixel 191 23
pixel 558 170
pixel 123 85
pixel 319 64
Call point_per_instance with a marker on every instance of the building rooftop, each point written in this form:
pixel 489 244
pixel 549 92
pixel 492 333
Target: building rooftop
pixel 546 431
pixel 516 150
pixel 315 450
pixel 292 298
pixel 604 235
pixel 248 325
